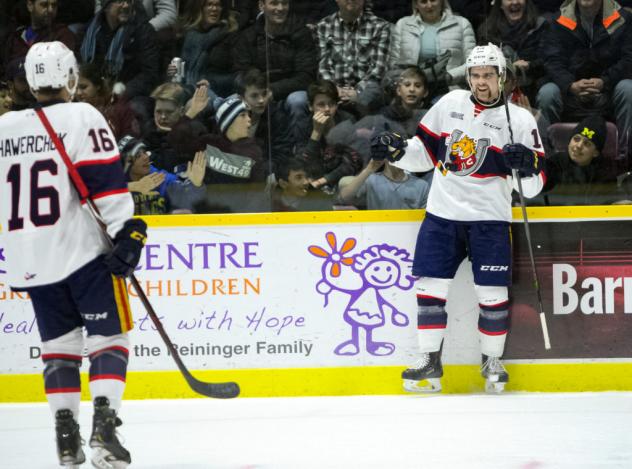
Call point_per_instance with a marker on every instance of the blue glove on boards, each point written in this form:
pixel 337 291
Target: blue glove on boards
pixel 522 159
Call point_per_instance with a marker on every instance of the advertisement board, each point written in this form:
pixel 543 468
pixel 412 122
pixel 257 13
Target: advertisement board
pixel 307 291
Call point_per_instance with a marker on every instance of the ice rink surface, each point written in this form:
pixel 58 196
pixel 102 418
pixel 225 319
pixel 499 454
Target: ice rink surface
pixel 510 431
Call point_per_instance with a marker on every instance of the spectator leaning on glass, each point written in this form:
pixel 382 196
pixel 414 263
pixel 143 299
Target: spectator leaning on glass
pixel 156 191
pixel 436 40
pixel 353 46
pixel 292 187
pixel 587 52
pixel 389 189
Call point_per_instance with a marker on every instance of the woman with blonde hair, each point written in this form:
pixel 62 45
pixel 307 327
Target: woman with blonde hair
pixel 434 39
pixel 207 29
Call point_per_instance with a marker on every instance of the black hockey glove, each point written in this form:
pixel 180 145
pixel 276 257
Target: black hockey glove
pixel 388 146
pixel 522 159
pixel 128 243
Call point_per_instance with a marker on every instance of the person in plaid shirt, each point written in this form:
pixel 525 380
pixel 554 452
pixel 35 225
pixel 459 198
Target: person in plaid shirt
pixel 354 46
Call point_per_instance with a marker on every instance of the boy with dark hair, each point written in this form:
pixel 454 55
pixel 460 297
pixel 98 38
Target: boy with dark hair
pixel 323 98
pixel 328 163
pixel 269 121
pixel 580 174
pixel 293 191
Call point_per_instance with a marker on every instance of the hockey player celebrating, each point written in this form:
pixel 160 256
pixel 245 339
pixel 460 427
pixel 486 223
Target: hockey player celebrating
pixel 466 137
pixel 56 251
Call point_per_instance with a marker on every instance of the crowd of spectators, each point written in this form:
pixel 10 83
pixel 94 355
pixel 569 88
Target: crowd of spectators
pixel 274 102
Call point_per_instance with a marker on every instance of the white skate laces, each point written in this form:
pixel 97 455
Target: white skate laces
pixel 493 366
pixel 423 361
pixel 495 375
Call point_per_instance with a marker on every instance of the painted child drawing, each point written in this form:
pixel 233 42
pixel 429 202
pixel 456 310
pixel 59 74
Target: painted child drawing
pixel 363 277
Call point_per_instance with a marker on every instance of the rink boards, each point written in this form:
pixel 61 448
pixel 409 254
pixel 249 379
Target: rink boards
pixel 270 301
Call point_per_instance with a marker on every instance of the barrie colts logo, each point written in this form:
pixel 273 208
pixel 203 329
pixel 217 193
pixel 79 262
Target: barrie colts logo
pixel 466 154
pixel 456 115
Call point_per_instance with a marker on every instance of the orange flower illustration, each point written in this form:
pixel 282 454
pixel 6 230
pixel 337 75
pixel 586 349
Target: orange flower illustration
pixel 335 256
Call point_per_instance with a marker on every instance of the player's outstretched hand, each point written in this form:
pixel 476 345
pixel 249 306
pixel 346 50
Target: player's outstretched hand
pixel 128 244
pixel 522 159
pixel 388 146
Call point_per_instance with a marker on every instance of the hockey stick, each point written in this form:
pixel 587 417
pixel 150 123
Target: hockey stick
pixel 527 230
pixel 218 390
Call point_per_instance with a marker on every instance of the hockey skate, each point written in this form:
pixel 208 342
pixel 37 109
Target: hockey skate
pixel 107 451
pixel 428 369
pixel 69 441
pixel 495 375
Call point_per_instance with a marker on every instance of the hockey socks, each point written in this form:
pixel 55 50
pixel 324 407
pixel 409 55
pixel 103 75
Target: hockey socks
pixel 62 361
pixel 108 369
pixel 432 320
pixel 493 323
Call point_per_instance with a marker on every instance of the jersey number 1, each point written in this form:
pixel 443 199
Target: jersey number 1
pixel 37 194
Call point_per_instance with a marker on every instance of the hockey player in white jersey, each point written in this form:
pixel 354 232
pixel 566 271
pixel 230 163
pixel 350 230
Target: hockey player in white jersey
pixel 56 252
pixel 466 138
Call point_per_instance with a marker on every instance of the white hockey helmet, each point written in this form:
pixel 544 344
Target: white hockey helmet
pixel 51 65
pixel 489 55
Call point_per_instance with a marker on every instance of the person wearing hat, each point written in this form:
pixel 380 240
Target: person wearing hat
pixel 20 96
pixel 157 191
pixel 233 156
pixel 5 100
pixel 120 39
pixel 236 167
pixel 580 174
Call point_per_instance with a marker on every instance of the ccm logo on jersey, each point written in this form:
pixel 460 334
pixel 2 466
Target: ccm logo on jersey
pixel 494 268
pixel 95 316
pixel 491 126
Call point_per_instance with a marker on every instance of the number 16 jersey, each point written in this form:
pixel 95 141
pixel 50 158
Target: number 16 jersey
pixel 47 229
